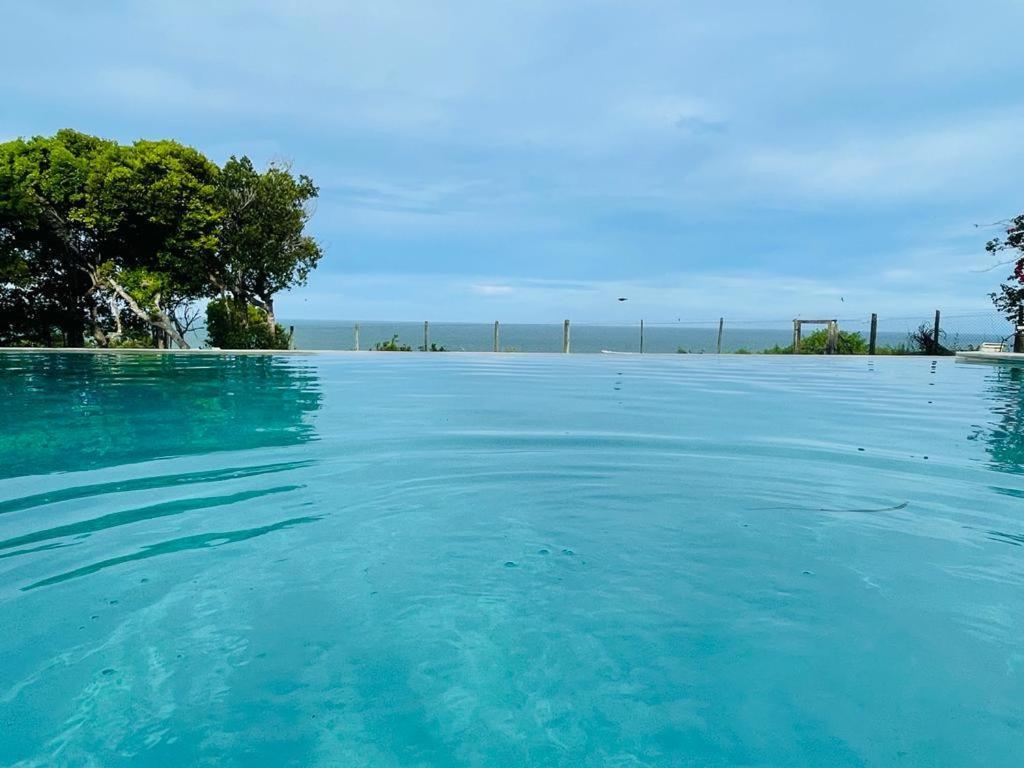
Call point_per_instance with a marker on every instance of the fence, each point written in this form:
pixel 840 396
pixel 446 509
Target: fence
pixel 890 335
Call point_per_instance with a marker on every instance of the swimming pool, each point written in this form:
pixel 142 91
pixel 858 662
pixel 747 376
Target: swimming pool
pixel 480 560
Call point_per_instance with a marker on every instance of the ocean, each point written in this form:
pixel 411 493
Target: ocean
pixel 523 337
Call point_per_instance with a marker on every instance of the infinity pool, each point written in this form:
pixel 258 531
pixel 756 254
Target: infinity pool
pixel 474 560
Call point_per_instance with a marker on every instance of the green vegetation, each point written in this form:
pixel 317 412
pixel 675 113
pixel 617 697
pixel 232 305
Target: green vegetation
pixel 122 244
pixel 848 343
pixel 923 341
pixel 394 345
pixel 391 346
pixel 1010 298
pixel 232 324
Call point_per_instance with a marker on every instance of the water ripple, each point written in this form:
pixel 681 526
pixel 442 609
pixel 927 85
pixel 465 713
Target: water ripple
pixel 183 544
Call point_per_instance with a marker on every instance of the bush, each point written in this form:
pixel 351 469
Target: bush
pixel 922 340
pixel 391 346
pixel 132 342
pixel 814 344
pixel 232 325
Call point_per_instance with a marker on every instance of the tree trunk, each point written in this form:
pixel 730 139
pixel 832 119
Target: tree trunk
pixel 158 320
pixel 271 320
pixel 72 326
pixel 73 331
pixel 97 331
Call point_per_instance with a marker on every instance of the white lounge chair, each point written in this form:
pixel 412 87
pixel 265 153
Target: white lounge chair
pixel 992 346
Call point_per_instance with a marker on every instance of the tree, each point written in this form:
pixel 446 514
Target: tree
pixel 45 287
pixel 122 241
pixel 154 206
pixel 92 229
pixel 234 325
pixel 262 248
pixel 1010 298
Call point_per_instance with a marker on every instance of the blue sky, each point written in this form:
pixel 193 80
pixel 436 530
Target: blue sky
pixel 531 161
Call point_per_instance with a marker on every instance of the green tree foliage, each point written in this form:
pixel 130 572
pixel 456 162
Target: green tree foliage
pixel 1010 298
pixel 234 324
pixel 121 241
pixel 262 248
pixel 815 343
pixel 103 229
pixel 46 293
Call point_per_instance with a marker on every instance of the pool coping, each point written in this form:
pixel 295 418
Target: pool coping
pixel 991 357
pixel 605 354
pixel 371 352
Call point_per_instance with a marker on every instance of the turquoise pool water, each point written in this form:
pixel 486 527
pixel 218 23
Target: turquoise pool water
pixel 469 560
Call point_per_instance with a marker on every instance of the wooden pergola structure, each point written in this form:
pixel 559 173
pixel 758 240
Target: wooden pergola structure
pixel 831 342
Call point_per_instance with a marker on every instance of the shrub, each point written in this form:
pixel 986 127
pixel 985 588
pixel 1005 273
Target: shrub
pixel 923 341
pixel 391 346
pixel 232 325
pixel 848 343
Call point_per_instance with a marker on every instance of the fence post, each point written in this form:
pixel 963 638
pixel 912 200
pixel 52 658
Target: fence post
pixel 833 337
pixel 873 335
pixel 426 336
pixel 935 335
pixel 496 335
pixel 565 337
pixel 1018 336
pixel 721 322
pixel 356 329
pixel 641 335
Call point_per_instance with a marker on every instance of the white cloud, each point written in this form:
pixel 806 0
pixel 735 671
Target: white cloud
pixel 491 289
pixel 927 161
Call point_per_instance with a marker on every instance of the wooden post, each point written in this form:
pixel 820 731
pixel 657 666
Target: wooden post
pixel 721 322
pixel 1018 336
pixel 496 335
pixel 641 335
pixel 833 338
pixel 796 337
pixel 356 329
pixel 935 334
pixel 873 335
pixel 565 337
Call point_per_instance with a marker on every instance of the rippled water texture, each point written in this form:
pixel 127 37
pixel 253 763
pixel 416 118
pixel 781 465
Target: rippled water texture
pixel 462 560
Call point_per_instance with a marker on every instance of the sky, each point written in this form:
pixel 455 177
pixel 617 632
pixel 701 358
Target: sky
pixel 535 160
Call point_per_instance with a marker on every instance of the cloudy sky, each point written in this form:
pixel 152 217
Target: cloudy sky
pixel 535 160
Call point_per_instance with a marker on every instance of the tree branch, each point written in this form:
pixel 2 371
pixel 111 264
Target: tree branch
pixel 157 320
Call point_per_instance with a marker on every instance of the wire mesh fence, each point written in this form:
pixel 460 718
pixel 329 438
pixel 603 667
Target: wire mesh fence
pixel 910 334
